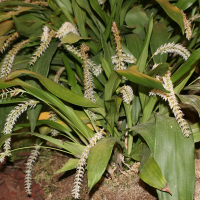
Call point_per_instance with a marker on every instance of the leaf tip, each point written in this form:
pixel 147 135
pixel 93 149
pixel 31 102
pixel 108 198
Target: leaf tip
pixel 166 189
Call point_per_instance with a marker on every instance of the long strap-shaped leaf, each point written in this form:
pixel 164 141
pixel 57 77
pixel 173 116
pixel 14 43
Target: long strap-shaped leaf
pixel 175 155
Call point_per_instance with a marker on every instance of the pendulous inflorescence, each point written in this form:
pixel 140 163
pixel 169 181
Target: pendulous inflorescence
pixel 187 26
pixel 29 168
pixel 173 103
pixel 82 162
pixel 53 117
pixel 173 48
pixel 46 38
pixel 9 59
pixel 12 92
pixel 127 93
pixel 120 58
pixel 11 120
pixel 9 41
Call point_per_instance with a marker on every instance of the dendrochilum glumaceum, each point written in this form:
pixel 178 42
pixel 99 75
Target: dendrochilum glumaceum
pixel 53 117
pixel 173 103
pixel 120 58
pixel 29 168
pixel 173 48
pixel 82 162
pixel 9 41
pixel 10 122
pixel 9 59
pixel 45 41
pixel 127 93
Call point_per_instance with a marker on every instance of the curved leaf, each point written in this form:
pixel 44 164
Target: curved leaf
pixel 133 74
pixel 187 66
pixel 70 164
pixel 56 89
pixel 98 158
pixel 175 156
pixel 150 171
pixel 173 12
pixel 184 4
pixel 5 27
pixel 192 100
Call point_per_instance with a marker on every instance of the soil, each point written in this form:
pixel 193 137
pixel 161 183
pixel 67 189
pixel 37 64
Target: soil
pixel 51 186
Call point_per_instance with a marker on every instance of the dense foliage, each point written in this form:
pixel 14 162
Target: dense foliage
pixel 107 78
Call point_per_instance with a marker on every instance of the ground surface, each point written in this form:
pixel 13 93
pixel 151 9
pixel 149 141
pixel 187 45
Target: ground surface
pixel 123 186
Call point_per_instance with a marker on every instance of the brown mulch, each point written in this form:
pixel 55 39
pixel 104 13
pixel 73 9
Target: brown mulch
pixel 12 182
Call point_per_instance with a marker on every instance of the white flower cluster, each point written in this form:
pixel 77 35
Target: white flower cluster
pixel 194 18
pixel 58 74
pixel 7 43
pixel 88 85
pixel 29 167
pixel 46 39
pixel 9 59
pixel 53 117
pixel 81 164
pixel 101 1
pixel 11 119
pixel 187 26
pixel 120 58
pixel 173 48
pixel 119 61
pixel 92 66
pixel 173 103
pixel 66 28
pixel 127 93
pixel 12 92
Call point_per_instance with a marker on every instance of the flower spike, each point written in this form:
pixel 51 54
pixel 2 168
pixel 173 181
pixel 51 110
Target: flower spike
pixel 81 164
pixel 29 167
pixel 173 103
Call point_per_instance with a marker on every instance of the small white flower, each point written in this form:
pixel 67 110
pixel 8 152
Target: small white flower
pixel 81 164
pixel 9 59
pixel 66 28
pixel 127 93
pixel 29 167
pixel 173 48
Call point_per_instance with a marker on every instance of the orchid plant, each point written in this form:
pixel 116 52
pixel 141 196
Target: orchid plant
pixel 110 76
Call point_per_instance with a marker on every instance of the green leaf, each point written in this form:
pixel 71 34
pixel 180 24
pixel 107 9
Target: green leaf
pixel 5 27
pixel 80 16
pixel 196 132
pixel 134 44
pixel 112 85
pixel 95 5
pixel 184 4
pixel 30 26
pixel 159 37
pixel 57 89
pixel 186 66
pixel 175 156
pixel 147 131
pixel 137 17
pixel 98 158
pixel 141 62
pixel 192 100
pixel 43 61
pixel 134 75
pixel 65 6
pixel 8 15
pixel 173 12
pixel 71 38
pixel 72 118
pixel 160 69
pixel 105 66
pixel 70 164
pixel 150 171
pixel 126 6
